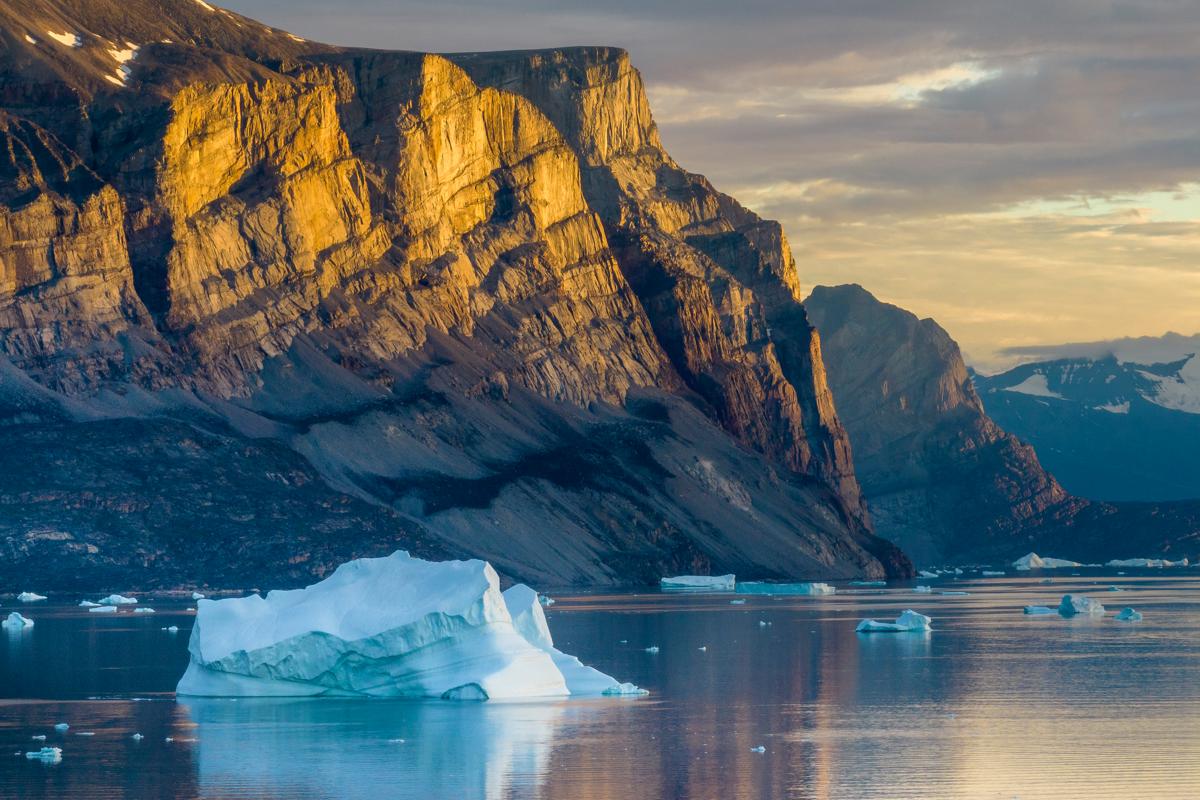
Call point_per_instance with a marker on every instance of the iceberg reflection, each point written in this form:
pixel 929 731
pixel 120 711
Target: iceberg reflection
pixel 404 748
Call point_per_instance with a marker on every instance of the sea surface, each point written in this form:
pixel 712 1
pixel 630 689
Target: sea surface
pixel 990 704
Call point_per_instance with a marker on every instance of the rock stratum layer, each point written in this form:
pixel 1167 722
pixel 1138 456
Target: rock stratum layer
pixel 267 305
pixel 940 477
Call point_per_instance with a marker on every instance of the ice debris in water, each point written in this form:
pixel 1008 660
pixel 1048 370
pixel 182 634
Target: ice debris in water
pixel 30 597
pixel 143 610
pixel 17 621
pixel 868 583
pixel 1046 580
pixel 1146 562
pixel 991 573
pixel 1039 610
pixel 395 627
pixel 137 737
pixel 652 648
pixel 1073 604
pixel 47 755
pixel 1034 561
pixel 102 610
pixel 118 600
pixel 62 727
pixel 923 589
pixel 625 690
pixel 759 749
pixel 1128 615
pixel 41 737
pixel 546 600
pixel 172 629
pixel 908 621
pixel 762 587
pixel 1115 589
pixel 954 594
pixel 737 602
pixel 927 574
pixel 88 604
pixel 711 582
pixel 197 596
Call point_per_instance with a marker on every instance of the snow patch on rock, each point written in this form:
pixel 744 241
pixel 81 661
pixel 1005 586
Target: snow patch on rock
pixel 1035 385
pixel 66 38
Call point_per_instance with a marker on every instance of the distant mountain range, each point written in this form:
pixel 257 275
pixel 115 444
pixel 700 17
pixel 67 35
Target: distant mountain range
pixel 1108 426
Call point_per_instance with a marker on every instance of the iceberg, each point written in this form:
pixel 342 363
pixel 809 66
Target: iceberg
pixel 16 622
pixel 143 610
pixel 720 583
pixel 47 755
pixel 907 622
pixel 118 600
pixel 927 574
pixel 1073 604
pixel 1034 561
pixel 396 626
pixel 88 604
pixel 62 727
pixel 30 597
pixel 1128 615
pixel 923 589
pixel 1039 610
pixel 102 610
pixel 1146 562
pixel 197 596
pixel 762 587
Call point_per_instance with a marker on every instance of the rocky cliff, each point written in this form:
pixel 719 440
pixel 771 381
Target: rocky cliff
pixel 465 304
pixel 939 476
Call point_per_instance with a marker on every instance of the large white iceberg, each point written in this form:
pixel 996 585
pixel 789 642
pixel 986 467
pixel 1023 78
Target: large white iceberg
pixel 762 587
pixel 713 582
pixel 30 597
pixel 1073 604
pixel 1034 561
pixel 1146 562
pixel 907 622
pixel 390 627
pixel 118 600
pixel 17 622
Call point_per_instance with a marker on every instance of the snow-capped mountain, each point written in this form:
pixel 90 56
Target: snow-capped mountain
pixel 1108 426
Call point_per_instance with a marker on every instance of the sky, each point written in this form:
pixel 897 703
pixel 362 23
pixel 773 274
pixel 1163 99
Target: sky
pixel 1025 172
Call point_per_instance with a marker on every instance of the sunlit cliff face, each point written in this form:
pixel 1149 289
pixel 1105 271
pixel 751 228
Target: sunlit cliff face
pixel 1021 174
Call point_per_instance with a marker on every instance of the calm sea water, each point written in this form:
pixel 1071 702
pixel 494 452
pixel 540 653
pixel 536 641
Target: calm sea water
pixel 992 704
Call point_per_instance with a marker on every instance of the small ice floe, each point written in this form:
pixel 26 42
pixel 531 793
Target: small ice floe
pixel 928 574
pixel 625 690
pixel 652 648
pixel 1073 604
pixel 171 629
pixel 868 583
pixel 545 600
pixel 762 623
pixel 737 602
pixel 703 648
pixel 30 597
pixel 1128 615
pixel 144 610
pixel 718 583
pixel 88 604
pixel 759 749
pixel 84 733
pixel 1046 580
pixel 66 38
pixel 395 741
pixel 991 573
pixel 1039 610
pixel 41 737
pixel 1146 562
pixel 62 727
pixel 763 587
pixel 954 594
pixel 1034 561
pixel 47 755
pixel 102 610
pixel 17 622
pixel 137 737
pixel 197 596
pixel 1115 589
pixel 908 621
pixel 923 589
pixel 118 600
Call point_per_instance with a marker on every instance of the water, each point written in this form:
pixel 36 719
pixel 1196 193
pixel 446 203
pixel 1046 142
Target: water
pixel 992 704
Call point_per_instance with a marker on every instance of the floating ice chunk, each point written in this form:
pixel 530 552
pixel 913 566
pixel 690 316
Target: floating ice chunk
pixel 1039 610
pixel 1046 580
pixel 737 602
pixel 1073 604
pixel 991 573
pixel 868 583
pixel 954 594
pixel 62 727
pixel 719 583
pixel 143 610
pixel 66 38
pixel 17 622
pixel 1146 562
pixel 908 621
pixel 759 749
pixel 923 589
pixel 625 690
pixel 137 737
pixel 652 648
pixel 30 597
pixel 84 733
pixel 198 595
pixel 762 623
pixel 102 610
pixel 47 755
pixel 703 649
pixel 927 574
pixel 1115 589
pixel 1128 615
pixel 88 604
pixel 762 587
pixel 396 627
pixel 1034 561
pixel 172 629
pixel 118 600
pixel 41 737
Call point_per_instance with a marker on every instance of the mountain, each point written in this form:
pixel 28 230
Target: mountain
pixel 1109 428
pixel 266 305
pixel 940 477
